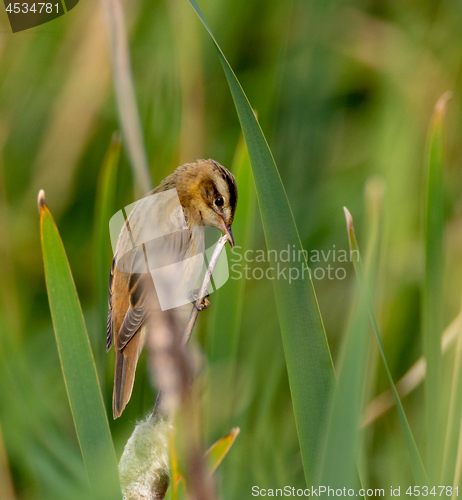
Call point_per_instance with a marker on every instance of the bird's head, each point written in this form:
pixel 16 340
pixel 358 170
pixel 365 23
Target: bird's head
pixel 208 192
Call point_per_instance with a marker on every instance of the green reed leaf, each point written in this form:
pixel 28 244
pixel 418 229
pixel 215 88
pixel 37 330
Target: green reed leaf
pixel 307 354
pixel 418 469
pixel 218 451
pixel 77 363
pixel 104 209
pixel 432 297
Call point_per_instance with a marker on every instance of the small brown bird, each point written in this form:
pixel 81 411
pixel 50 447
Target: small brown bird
pixel 207 194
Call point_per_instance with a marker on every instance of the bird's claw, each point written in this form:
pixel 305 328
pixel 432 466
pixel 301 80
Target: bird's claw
pixel 202 303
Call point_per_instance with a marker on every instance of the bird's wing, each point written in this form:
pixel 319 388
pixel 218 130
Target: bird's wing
pixel 140 291
pixel 133 317
pixel 109 328
pixel 133 320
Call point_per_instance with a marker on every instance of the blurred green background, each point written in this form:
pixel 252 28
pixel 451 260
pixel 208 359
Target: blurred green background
pixel 344 92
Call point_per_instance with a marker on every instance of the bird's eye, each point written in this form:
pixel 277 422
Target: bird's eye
pixel 219 201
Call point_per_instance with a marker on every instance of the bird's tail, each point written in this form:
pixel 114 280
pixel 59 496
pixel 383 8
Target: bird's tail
pixel 125 367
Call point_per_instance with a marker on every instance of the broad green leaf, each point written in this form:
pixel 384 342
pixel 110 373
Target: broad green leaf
pixel 77 363
pixel 218 451
pixel 309 364
pixel 432 305
pixel 420 475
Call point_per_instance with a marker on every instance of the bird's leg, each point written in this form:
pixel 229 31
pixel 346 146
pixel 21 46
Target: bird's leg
pixel 202 303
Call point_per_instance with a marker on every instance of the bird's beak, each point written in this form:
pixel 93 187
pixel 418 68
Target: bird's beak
pixel 230 235
pixel 227 230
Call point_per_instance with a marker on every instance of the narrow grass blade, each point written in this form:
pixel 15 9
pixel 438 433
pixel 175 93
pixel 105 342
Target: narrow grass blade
pixel 338 463
pixel 125 96
pixel 432 305
pixel 218 451
pixel 374 196
pixel 6 483
pixel 307 354
pixel 77 363
pixel 418 469
pixel 454 417
pixel 412 378
pixel 105 204
pixel 175 476
pixel 338 460
pixel 458 464
pixel 182 491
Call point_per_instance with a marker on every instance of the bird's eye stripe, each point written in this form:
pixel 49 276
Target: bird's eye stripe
pixel 232 190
